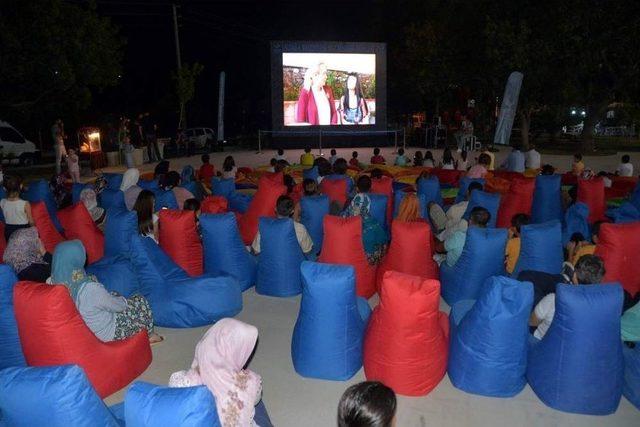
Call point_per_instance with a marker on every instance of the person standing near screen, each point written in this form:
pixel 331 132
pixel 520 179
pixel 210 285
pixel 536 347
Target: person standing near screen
pixel 352 104
pixel 316 104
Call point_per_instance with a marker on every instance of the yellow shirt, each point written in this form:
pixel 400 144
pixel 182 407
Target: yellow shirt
pixel 306 159
pixel 584 250
pixel 577 168
pixel 512 253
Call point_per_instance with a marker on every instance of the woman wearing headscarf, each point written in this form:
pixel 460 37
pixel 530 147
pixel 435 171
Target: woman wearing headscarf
pixel 218 364
pixel 26 254
pixel 110 317
pixel 188 181
pixel 130 187
pixel 89 199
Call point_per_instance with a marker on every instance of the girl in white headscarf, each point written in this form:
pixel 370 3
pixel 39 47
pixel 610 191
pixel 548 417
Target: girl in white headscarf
pixel 130 187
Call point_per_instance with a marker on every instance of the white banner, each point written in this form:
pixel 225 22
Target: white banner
pixel 508 109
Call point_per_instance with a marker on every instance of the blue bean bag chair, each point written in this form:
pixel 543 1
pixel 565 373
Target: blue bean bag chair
pixel 223 187
pixel 56 396
pixel 224 251
pixel 39 191
pixel 120 226
pixel 194 188
pixel 430 189
pixel 76 189
pixel 177 300
pixel 311 173
pixel 329 333
pixel 149 405
pixel 463 187
pixel 280 258
pixel 547 199
pixel 239 202
pixel 578 365
pixel 10 348
pixel 312 212
pixel 631 386
pixel 111 199
pixel 626 212
pixel 116 274
pixel 489 201
pixel 540 248
pixel 481 258
pixel 151 185
pixel 165 199
pixel 634 197
pixel 378 209
pixel 576 221
pixel 397 199
pixel 488 339
pixel 114 180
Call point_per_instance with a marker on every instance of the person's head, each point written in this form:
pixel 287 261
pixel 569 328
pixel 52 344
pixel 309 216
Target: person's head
pixel 310 187
pixel 129 179
pixel 447 157
pixel 376 173
pixel 354 155
pixel 517 221
pixel 205 159
pixel 324 166
pixel 573 193
pixel 289 182
pixel 280 166
pixel 363 184
pixel 595 231
pixel 273 163
pixel 428 156
pixel 464 154
pixel 280 152
pixel 547 169
pixel 419 155
pixel 340 166
pixel 187 174
pixel 367 404
pixel 23 249
pixel 484 159
pixel 72 151
pixel 626 158
pixel 589 270
pixel 192 205
pixel 409 209
pixel 284 207
pixel 479 217
pixel 172 179
pixel 67 266
pixel 400 151
pixel 144 208
pixel 318 75
pixel 353 84
pixel 333 152
pixel 473 186
pixel 13 185
pixel 516 147
pixel 577 157
pixel 376 151
pixel 307 150
pixel 228 164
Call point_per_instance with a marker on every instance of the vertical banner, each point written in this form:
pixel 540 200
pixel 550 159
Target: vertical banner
pixel 508 109
pixel 221 109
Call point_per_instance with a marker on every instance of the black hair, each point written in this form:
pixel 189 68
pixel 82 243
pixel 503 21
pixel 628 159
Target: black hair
pixel 191 205
pixel 376 151
pixel 447 157
pixel 307 149
pixel 626 158
pixel 595 229
pixel 280 151
pixel 310 187
pixel 354 155
pixel 419 155
pixel 333 151
pixel 161 169
pixel 577 237
pixel 464 154
pixel 363 184
pixel 273 161
pixel 429 156
pixel 359 93
pixel 324 166
pixel 376 173
pixel 400 151
pixel 228 164
pixel 289 182
pixel 12 184
pixel 144 207
pixel 473 186
pixel 172 179
pixel 480 216
pixel 589 270
pixel 284 206
pixel 577 156
pixel 484 159
pixel 205 158
pixel 573 193
pixel 340 166
pixel 367 404
pixel 547 169
pixel 280 165
pixel 519 220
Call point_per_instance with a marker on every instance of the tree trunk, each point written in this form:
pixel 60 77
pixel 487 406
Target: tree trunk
pixel 525 122
pixel 588 142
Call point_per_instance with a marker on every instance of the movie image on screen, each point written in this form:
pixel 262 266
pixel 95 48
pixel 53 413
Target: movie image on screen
pixel 329 89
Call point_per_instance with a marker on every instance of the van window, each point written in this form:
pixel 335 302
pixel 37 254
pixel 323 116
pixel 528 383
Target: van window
pixel 10 135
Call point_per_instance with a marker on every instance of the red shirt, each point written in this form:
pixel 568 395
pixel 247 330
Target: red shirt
pixel 206 172
pixel 354 162
pixel 377 160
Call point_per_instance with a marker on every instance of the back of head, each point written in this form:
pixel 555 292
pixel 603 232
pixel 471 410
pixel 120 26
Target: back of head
pixel 354 154
pixel 172 179
pixel 324 166
pixel 364 184
pixel 284 206
pixel 280 165
pixel 144 209
pixel 473 186
pixel 376 173
pixel 280 151
pixel 228 163
pixel 519 220
pixel 340 166
pixel 626 158
pixel 367 404
pixel 376 151
pixel 191 205
pixel 333 152
pixel 589 270
pixel 12 184
pixel 577 157
pixel 401 152
pixel 547 169
pixel 307 150
pixel 479 217
pixel 310 187
pixel 161 168
pixel 484 159
pixel 205 158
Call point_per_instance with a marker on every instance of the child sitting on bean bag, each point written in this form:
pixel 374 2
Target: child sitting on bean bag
pixel 513 244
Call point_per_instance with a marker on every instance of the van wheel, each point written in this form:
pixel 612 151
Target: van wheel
pixel 26 160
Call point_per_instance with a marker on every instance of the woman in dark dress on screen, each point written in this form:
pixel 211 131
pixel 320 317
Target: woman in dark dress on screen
pixel 352 104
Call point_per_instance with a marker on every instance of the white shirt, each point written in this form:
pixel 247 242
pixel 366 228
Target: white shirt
pixel 230 174
pixel 13 211
pixel 545 311
pixel 304 240
pixel 532 159
pixel 322 104
pixel 463 164
pixel 625 169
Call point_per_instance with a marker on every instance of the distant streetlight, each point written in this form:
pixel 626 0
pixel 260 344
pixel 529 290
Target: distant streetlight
pixel 573 112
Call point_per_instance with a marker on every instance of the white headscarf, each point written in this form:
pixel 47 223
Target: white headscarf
pixel 129 179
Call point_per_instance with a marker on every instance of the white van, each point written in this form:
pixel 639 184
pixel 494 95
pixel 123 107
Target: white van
pixel 15 147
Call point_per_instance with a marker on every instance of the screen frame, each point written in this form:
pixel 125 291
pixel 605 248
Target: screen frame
pixel 277 90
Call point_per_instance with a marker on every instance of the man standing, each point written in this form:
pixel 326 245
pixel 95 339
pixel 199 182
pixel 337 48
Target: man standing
pixel 149 129
pixel 58 136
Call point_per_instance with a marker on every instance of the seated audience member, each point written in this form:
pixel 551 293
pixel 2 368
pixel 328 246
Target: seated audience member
pixel 280 166
pixel 354 160
pixel 285 209
pixel 605 179
pixel 513 244
pixel 447 160
pixel 429 161
pixel 374 238
pixel 26 254
pixel 310 187
pixel 147 218
pixel 272 165
pixel 334 156
pixel 367 404
pixel 288 182
pixel 577 167
pixel 188 176
pixel 401 159
pixel 515 161
pixel 89 199
pixel 192 205
pixel 418 160
pixel 446 224
pixel 463 162
pixel 340 168
pixel 576 248
pixel 547 169
pixel 306 159
pixel 480 170
pixel 172 182
pixel 485 150
pixel 206 171
pixel 219 364
pixel 324 168
pixel 409 210
pixel 16 211
pixel 110 317
pixel 280 155
pixel 532 158
pixel 161 170
pixel 229 168
pixel 130 187
pixel 625 168
pixel 377 159
pixel 588 271
pixel 454 244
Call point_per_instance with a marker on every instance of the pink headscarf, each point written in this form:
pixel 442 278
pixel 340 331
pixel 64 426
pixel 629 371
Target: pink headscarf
pixel 220 356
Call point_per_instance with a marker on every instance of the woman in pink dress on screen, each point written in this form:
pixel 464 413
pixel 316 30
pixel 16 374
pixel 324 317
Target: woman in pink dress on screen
pixel 316 105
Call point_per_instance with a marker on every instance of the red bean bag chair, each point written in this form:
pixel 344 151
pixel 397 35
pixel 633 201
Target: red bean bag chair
pixel 519 199
pixel 336 189
pixel 624 184
pixel 46 230
pixel 384 186
pixel 569 178
pixel 591 193
pixel 615 193
pixel 410 252
pixel 342 244
pixel 275 177
pixel 262 204
pixel 508 175
pixel 179 238
pixel 495 184
pixel 446 176
pixel 53 333
pixel 214 205
pixel 77 224
pixel 407 340
pixel 619 247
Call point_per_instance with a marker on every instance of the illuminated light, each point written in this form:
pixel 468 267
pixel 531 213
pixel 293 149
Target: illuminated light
pixel 584 113
pixel 94 135
pixel 573 112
